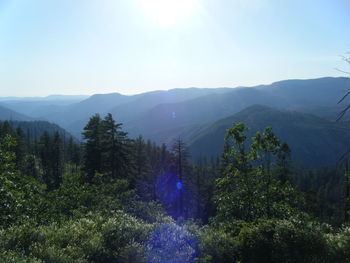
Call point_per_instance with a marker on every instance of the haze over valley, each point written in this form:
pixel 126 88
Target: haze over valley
pixel 174 131
pixel 202 115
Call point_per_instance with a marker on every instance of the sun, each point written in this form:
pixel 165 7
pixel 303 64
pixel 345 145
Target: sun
pixel 167 13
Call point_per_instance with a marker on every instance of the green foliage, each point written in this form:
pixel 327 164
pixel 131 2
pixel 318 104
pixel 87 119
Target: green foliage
pixel 74 199
pixel 107 149
pixel 51 155
pixel 116 209
pixel 339 245
pixel 249 187
pixel 8 256
pixel 91 239
pixel 283 241
pixel 18 193
pixel 218 245
pixel 171 243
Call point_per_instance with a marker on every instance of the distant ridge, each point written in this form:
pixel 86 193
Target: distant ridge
pixel 46 98
pixel 7 114
pixel 35 129
pixel 314 141
pixel 164 115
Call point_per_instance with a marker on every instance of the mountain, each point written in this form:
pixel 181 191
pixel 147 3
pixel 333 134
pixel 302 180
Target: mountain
pixel 47 98
pixel 165 115
pixel 317 96
pixel 198 111
pixel 79 113
pixel 309 92
pixel 34 129
pixel 8 114
pixel 124 108
pixel 36 107
pixel 314 141
pixel 147 101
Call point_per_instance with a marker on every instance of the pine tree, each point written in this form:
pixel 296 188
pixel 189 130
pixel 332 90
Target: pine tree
pixel 115 148
pixel 144 179
pixel 181 167
pixel 73 155
pixel 57 160
pixel 93 147
pixel 44 149
pixel 51 155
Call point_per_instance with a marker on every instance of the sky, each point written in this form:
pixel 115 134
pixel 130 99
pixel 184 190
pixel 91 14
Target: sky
pixel 133 46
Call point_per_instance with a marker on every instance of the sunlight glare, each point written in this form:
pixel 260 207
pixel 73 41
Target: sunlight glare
pixel 168 12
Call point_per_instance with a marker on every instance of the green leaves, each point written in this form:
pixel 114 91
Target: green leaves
pixel 251 186
pixel 17 192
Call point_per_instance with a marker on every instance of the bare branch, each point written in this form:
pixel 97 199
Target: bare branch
pixel 344 97
pixel 344 155
pixel 342 71
pixel 342 113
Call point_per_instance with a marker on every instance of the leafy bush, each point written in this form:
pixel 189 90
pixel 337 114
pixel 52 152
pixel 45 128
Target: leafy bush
pixel 91 239
pixel 283 241
pixel 218 245
pixel 16 257
pixel 171 243
pixel 339 245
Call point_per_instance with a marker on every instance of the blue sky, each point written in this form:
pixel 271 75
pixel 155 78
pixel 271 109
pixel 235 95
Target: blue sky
pixel 132 46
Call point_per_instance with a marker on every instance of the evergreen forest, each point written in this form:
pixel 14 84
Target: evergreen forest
pixel 111 198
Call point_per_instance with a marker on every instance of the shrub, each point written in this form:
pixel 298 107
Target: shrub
pixel 171 243
pixel 339 245
pixel 218 245
pixel 283 241
pixel 91 239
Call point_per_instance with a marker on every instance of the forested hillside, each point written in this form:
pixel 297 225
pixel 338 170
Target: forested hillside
pixel 162 116
pixel 117 199
pixel 314 141
pixel 7 114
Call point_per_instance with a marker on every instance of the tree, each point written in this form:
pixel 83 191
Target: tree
pixel 202 188
pixel 144 180
pixel 249 187
pixel 73 154
pixel 57 160
pixel 51 155
pixel 345 110
pixel 107 148
pixel 182 172
pixel 93 147
pixel 115 148
pixel 17 192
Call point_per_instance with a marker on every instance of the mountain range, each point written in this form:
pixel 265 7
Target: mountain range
pixel 201 116
pixel 314 141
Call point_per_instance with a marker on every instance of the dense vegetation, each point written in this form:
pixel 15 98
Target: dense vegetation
pixel 116 199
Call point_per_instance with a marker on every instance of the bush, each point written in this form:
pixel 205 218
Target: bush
pixel 91 239
pixel 218 245
pixel 171 243
pixel 16 257
pixel 283 241
pixel 339 245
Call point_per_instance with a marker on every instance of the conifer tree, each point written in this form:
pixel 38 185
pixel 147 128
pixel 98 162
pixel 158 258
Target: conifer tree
pixel 115 150
pixel 57 160
pixel 144 173
pixel 93 147
pixel 181 167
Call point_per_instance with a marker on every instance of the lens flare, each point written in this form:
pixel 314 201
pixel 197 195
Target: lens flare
pixel 179 185
pixel 171 243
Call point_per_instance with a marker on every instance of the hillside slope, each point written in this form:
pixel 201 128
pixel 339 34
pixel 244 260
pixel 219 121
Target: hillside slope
pixel 314 141
pixel 8 114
